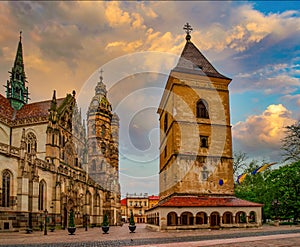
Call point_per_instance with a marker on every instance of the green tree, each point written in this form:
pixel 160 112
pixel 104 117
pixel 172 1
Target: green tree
pixel 71 219
pixel 105 220
pixel 131 220
pixel 284 183
pixel 291 143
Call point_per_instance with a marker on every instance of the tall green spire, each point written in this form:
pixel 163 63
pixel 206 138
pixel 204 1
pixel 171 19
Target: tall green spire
pixel 16 90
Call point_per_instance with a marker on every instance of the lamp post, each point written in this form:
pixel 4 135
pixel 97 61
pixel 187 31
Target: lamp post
pixel 86 221
pixel 46 215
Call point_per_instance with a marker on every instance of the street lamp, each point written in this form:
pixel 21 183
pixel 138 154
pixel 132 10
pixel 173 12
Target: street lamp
pixel 46 215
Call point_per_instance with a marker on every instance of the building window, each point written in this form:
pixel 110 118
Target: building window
pixel 93 165
pixel 204 173
pixel 42 195
pixel 202 109
pixel 204 141
pixel 6 180
pixel 145 203
pixel 94 147
pixel 31 143
pixel 103 130
pixel 166 123
pixel 130 203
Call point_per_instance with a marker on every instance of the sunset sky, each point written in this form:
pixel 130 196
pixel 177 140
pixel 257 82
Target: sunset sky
pixel 256 43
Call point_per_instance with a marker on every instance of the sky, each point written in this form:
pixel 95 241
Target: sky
pixel 136 43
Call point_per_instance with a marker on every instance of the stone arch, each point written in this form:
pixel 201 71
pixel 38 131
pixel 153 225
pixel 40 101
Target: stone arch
pixel 227 218
pixel 214 219
pixel 7 188
pixel 252 217
pixel 187 218
pixel 172 219
pixel 202 109
pixel 42 201
pixel 240 217
pixel 201 218
pixel 31 142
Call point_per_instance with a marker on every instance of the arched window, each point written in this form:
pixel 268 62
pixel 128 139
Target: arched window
pixel 166 122
pixel 6 183
pixel 202 109
pixel 42 195
pixel 93 165
pixel 103 130
pixel 31 142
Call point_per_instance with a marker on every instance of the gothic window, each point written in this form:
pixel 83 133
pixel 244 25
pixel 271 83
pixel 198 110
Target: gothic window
pixel 42 195
pixel 93 130
pixel 94 147
pixel 103 130
pixel 93 165
pixel 6 186
pixel 31 142
pixel 202 109
pixel 103 147
pixel 166 123
pixel 204 141
pixel 165 151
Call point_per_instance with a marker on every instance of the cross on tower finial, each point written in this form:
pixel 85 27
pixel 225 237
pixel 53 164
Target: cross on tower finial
pixel 20 35
pixel 101 72
pixel 188 29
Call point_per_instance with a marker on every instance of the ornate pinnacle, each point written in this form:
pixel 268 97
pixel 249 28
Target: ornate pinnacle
pixel 188 29
pixel 101 77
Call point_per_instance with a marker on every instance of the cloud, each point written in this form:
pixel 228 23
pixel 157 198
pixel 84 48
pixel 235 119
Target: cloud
pixel 261 134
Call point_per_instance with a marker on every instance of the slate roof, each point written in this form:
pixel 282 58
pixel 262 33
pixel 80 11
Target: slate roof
pixel 206 201
pixel 37 109
pixel 193 61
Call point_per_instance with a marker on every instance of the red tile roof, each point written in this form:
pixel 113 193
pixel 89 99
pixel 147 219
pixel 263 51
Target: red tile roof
pixel 206 201
pixel 33 110
pixel 124 202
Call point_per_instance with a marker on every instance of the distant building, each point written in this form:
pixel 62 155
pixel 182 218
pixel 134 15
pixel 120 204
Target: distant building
pixel 196 175
pixel 43 160
pixel 137 204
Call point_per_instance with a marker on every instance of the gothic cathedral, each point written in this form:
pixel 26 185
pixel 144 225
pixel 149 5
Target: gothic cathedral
pixel 45 155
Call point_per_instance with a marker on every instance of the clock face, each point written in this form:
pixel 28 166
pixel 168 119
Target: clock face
pixel 95 102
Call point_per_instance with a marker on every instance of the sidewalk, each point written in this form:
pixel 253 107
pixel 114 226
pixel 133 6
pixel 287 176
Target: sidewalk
pixel 142 234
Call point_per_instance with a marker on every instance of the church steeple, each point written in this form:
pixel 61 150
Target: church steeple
pixel 16 90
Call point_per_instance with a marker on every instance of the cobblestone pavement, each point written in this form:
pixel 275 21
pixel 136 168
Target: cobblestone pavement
pixel 269 236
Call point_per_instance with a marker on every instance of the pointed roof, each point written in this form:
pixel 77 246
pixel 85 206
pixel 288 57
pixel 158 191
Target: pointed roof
pixel 193 61
pixel 19 64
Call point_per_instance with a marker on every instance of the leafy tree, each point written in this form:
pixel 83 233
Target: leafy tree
pixel 277 189
pixel 284 183
pixel 291 143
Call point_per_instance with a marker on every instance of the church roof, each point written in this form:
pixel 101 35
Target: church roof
pixel 28 111
pixel 193 61
pixel 206 201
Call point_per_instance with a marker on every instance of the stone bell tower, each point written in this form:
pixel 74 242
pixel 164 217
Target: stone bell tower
pixel 196 146
pixel 103 140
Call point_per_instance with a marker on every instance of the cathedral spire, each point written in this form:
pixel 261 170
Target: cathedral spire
pixel 100 89
pixel 16 90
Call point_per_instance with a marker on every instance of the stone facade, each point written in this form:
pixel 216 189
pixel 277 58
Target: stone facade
pixel 196 148
pixel 43 160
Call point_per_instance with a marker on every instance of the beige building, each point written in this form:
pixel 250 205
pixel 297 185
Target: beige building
pixel 43 160
pixel 196 175
pixel 137 204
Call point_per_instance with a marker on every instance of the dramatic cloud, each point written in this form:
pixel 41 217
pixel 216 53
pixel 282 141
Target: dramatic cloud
pixel 262 134
pixel 64 43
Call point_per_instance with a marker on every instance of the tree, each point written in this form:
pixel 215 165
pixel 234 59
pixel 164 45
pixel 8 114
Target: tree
pixel 291 143
pixel 105 220
pixel 131 220
pixel 284 183
pixel 239 164
pixel 71 219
